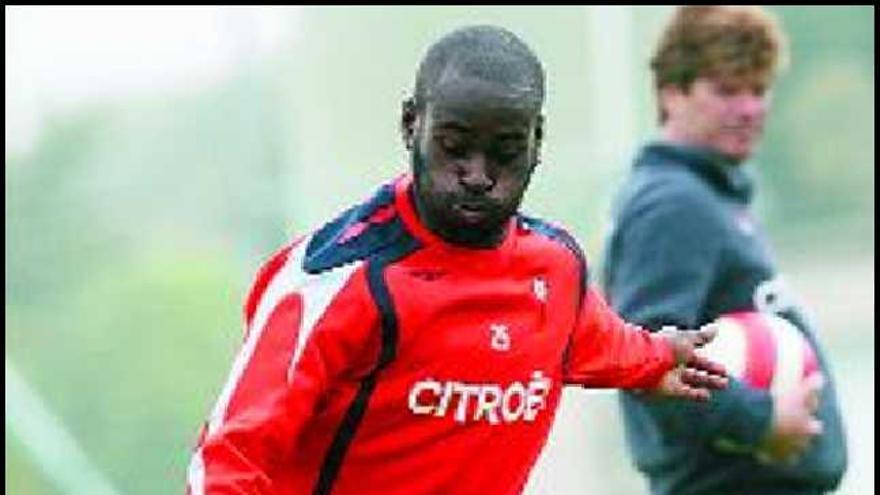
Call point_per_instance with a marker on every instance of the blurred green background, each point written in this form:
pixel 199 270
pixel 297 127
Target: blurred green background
pixel 156 155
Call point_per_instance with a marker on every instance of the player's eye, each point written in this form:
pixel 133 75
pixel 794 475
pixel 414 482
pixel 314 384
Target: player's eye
pixel 508 151
pixel 453 146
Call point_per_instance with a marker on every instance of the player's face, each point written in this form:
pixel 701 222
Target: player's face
pixel 724 114
pixel 474 147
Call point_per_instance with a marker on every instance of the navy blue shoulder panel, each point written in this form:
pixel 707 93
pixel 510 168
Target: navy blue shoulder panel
pixel 356 234
pixel 562 236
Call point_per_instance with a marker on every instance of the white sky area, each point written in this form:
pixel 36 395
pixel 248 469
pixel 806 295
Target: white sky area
pixel 58 58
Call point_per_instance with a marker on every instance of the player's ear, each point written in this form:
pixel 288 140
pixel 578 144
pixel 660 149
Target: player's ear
pixel 408 116
pixel 539 140
pixel 539 131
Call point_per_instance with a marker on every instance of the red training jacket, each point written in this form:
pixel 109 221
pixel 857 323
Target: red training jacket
pixel 380 359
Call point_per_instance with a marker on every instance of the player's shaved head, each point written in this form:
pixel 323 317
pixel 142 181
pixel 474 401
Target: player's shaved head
pixel 474 127
pixel 487 53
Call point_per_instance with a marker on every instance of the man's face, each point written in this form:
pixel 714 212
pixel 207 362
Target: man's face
pixel 724 114
pixel 474 147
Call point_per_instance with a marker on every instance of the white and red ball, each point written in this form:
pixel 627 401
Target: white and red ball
pixel 762 349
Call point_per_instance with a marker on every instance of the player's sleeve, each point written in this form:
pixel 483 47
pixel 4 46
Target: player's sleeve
pixel 303 332
pixel 659 269
pixel 606 352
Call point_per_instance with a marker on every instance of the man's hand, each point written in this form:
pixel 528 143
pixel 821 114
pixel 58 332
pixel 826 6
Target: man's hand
pixel 794 425
pixel 694 376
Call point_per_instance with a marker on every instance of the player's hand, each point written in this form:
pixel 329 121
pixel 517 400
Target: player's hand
pixel 794 425
pixel 694 376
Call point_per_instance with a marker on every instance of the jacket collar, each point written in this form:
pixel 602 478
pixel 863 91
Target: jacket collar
pixel 721 173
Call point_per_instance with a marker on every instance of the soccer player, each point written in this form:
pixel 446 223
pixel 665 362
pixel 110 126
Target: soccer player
pixel 417 343
pixel 685 249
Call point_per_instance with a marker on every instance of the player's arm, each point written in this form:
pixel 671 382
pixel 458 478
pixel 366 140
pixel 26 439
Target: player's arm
pixel 303 332
pixel 659 272
pixel 605 351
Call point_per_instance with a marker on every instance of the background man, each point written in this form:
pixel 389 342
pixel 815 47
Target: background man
pixel 418 342
pixel 684 250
